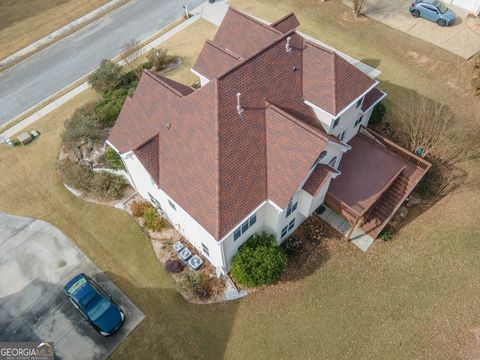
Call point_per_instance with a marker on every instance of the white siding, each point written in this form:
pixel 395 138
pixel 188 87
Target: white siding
pixel 179 218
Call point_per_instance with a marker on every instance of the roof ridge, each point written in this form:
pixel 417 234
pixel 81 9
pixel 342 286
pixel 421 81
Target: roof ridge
pixel 225 51
pixel 320 47
pixel 266 26
pixel 160 80
pixel 258 52
pixel 297 121
pixel 281 19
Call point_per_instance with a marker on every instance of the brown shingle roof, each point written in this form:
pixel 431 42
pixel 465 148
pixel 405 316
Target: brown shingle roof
pixel 332 83
pixel 214 61
pixel 317 178
pixel 371 98
pixel 242 34
pixel 287 23
pixel 216 164
pixel 292 148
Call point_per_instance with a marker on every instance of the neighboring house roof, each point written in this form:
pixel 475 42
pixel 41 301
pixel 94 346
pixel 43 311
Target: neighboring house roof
pixel 332 82
pixel 217 164
pixel 317 178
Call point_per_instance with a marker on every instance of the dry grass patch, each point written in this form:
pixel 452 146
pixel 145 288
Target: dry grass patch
pixel 25 21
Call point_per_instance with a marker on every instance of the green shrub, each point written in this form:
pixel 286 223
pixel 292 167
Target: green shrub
pixel 113 159
pixel 77 176
pixel 197 283
pixel 258 262
pixel 386 235
pixel 153 221
pixel 147 65
pixel 106 77
pixel 378 113
pixel 109 185
pixel 108 108
pixel 83 125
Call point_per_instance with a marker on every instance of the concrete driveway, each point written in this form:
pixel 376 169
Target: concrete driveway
pixel 459 39
pixel 36 261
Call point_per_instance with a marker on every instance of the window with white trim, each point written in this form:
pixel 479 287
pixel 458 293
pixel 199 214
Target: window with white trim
pixel 205 249
pixel 154 201
pixel 242 229
pixel 335 123
pixel 319 158
pixel 172 205
pixel 359 102
pixel 284 231
pixel 291 224
pixel 288 228
pixel 291 208
pixel 333 162
pixel 358 121
pixel 341 136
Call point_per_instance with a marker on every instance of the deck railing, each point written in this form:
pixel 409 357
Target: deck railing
pixel 390 145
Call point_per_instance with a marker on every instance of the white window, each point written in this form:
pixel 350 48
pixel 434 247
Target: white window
pixel 333 162
pixel 320 157
pixel 172 205
pixel 291 225
pixel 288 228
pixel 341 136
pixel 242 229
pixel 205 249
pixel 359 102
pixel 358 121
pixel 335 123
pixel 291 208
pixel 154 201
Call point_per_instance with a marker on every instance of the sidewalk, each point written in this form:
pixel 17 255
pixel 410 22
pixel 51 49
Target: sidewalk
pixel 213 13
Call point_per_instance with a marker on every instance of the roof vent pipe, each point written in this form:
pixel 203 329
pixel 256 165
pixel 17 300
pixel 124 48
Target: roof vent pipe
pixel 239 107
pixel 287 45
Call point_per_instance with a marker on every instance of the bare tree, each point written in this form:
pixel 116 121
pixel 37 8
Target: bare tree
pixel 423 124
pixel 159 58
pixel 358 6
pixel 133 54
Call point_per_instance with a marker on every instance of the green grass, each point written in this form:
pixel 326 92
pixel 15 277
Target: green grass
pixel 415 297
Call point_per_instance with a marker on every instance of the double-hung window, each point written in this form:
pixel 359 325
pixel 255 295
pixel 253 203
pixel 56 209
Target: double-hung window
pixel 291 208
pixel 154 201
pixel 288 228
pixel 335 123
pixel 358 121
pixel 359 102
pixel 242 229
pixel 205 249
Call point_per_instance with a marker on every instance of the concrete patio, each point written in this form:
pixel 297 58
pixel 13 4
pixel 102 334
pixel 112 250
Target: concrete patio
pixel 359 238
pixel 459 39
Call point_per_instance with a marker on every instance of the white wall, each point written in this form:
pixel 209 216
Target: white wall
pixel 179 218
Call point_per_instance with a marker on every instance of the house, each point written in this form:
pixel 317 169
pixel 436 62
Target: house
pixel 277 128
pixel 472 6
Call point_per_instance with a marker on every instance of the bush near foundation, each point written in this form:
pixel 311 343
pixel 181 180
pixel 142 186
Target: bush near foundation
pixel 259 261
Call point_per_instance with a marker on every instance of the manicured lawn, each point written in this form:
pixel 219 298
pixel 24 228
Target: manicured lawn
pixel 415 297
pixel 24 21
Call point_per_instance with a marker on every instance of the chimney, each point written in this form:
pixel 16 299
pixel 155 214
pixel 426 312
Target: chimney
pixel 239 107
pixel 287 45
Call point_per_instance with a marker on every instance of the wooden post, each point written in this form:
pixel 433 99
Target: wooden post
pixel 350 232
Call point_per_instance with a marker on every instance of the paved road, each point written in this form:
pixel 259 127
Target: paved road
pixel 36 261
pixel 43 74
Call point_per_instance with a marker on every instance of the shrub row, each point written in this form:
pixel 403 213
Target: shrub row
pixel 476 76
pixel 85 179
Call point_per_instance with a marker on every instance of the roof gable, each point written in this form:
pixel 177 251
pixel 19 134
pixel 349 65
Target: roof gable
pixel 214 61
pixel 286 24
pixel 330 81
pixel 242 34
